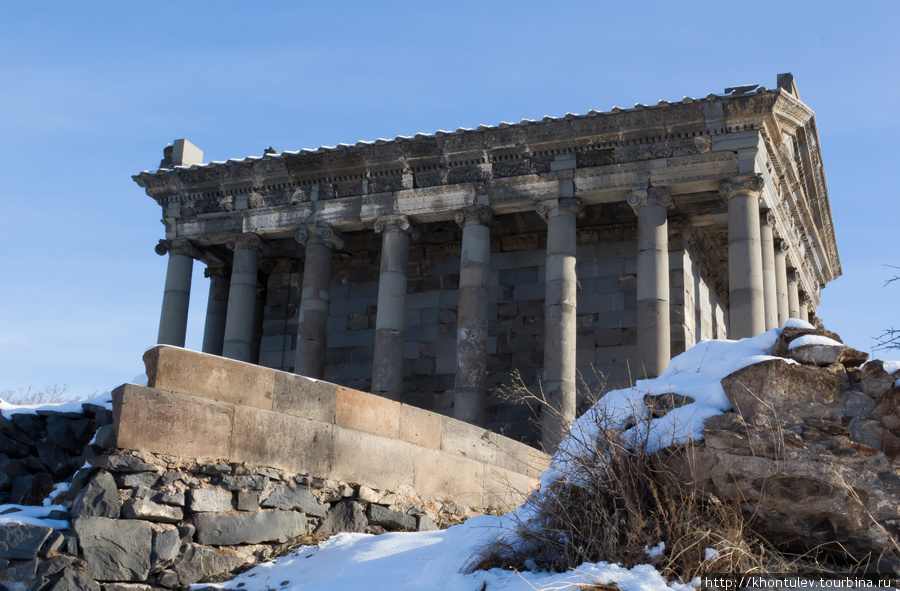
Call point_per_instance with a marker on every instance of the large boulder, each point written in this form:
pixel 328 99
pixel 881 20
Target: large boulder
pixel 20 541
pixel 98 499
pixel 776 389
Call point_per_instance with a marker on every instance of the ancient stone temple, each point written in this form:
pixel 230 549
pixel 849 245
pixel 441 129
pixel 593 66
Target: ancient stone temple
pixel 581 252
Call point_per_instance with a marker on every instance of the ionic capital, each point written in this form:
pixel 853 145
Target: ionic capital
pixel 642 197
pixel 767 218
pixel 792 275
pixel 181 246
pixel 396 223
pixel 323 233
pixel 747 184
pixel 475 214
pixel 248 240
pixel 216 271
pixel 550 207
pixel 781 246
pixel 804 298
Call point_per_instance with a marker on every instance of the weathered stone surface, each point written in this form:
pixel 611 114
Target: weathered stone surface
pixel 165 546
pixel 873 380
pixel 20 541
pixel 115 549
pixel 757 389
pixel 150 511
pixel 26 427
pixel 12 447
pixel 292 496
pixel 198 563
pixel 385 517
pixel 790 334
pixel 661 404
pixel 53 545
pixel 127 587
pixel 345 516
pixel 226 529
pixel 167 579
pixel 209 499
pixel 98 499
pixel 888 410
pixel 51 566
pixel 106 437
pixel 247 500
pixel 154 420
pixel 175 498
pixel 73 579
pixel 425 523
pixel 53 458
pixel 820 355
pixel 59 429
pixel 246 482
pixel 121 463
pixel 136 479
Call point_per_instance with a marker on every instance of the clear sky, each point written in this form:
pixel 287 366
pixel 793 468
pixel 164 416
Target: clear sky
pixel 91 93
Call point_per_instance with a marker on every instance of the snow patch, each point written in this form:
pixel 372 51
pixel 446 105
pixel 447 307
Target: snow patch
pixel 813 339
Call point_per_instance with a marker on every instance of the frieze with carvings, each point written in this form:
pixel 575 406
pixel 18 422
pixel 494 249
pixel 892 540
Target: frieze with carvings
pixel 467 174
pixel 385 184
pixel 421 148
pixel 349 189
pixel 431 178
pixel 511 168
pixel 751 104
pixel 592 158
pixel 196 177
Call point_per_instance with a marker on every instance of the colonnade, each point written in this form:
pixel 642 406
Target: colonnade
pixel 763 294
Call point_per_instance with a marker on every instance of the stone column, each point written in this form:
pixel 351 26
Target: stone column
pixel 216 309
pixel 387 362
pixel 745 276
pixel 177 294
pixel 781 285
pixel 472 322
pixel 793 290
pixel 320 243
pixel 770 287
pixel 239 323
pixel 560 298
pixel 653 331
pixel 804 306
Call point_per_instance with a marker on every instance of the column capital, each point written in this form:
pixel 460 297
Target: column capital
pixel 248 240
pixel 474 214
pixel 747 184
pixel 216 271
pixel 323 233
pixel 396 223
pixel 781 246
pixel 179 246
pixel 767 218
pixel 792 275
pixel 641 197
pixel 546 207
pixel 804 298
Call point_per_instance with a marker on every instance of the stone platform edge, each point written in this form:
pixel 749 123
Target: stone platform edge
pixel 205 406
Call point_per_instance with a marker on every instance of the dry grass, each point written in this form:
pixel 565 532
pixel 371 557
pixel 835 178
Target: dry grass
pixel 31 395
pixel 617 500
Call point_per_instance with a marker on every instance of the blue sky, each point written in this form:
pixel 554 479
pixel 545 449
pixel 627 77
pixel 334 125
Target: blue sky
pixel 90 93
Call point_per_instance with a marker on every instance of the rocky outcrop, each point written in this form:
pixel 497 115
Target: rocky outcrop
pixel 811 447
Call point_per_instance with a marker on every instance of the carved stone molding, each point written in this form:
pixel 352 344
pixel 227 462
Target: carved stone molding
pixel 248 240
pixel 396 223
pixel 781 246
pixel 567 203
pixel 180 246
pixel 748 184
pixel 639 198
pixel 475 214
pixel 216 271
pixel 320 233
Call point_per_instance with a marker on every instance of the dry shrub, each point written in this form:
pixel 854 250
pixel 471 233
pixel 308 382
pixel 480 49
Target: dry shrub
pixel 616 501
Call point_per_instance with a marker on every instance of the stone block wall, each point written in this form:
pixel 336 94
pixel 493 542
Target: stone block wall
pixel 205 406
